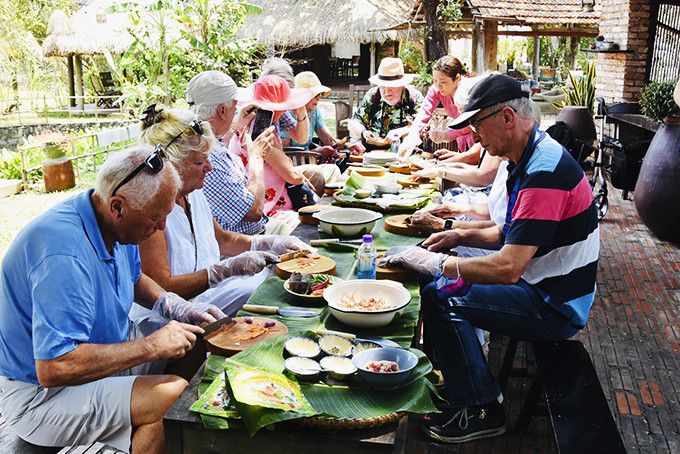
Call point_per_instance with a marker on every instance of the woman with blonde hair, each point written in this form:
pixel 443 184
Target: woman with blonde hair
pixel 185 258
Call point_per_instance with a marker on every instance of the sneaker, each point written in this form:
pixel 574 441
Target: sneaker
pixel 465 424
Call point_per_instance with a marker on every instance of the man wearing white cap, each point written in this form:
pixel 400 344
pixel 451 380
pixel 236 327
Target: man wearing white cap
pixel 235 195
pixel 391 105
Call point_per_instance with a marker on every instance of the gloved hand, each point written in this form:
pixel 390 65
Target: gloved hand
pixel 279 244
pixel 246 263
pixel 417 259
pixel 174 307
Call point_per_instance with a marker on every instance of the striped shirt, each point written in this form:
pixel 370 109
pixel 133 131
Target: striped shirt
pixel 550 205
pixel 228 195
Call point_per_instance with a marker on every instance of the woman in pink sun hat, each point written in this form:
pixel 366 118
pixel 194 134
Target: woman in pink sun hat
pixel 273 93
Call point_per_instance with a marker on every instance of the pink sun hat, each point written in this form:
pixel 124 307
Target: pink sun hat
pixel 273 93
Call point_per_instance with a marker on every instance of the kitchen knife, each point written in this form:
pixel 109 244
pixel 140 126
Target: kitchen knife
pixel 283 311
pixel 214 326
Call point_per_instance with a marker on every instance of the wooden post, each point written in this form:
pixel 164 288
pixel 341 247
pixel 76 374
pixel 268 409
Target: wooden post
pixel 71 83
pixel 78 72
pixel 490 45
pixel 372 58
pixel 537 55
pixel 478 48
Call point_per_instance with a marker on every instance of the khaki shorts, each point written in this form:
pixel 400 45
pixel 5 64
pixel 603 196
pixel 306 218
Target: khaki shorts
pixel 75 415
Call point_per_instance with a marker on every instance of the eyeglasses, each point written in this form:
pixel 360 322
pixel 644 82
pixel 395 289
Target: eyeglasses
pixel 154 162
pixel 474 124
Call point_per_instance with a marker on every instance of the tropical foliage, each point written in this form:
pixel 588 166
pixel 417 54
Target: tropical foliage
pixel 580 92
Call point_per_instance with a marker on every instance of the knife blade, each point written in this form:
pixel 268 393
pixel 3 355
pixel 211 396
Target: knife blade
pixel 283 311
pixel 322 241
pixel 214 326
pixel 353 337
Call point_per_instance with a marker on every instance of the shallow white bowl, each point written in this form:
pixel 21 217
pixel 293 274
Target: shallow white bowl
pixel 346 222
pixel 394 294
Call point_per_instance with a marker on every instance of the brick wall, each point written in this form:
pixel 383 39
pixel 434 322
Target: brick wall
pixel 620 76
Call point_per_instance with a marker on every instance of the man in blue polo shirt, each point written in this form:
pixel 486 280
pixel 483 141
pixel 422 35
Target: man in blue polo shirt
pixel 538 285
pixel 69 357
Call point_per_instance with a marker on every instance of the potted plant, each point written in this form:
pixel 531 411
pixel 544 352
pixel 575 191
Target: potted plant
pixel 580 92
pixel 657 192
pixel 54 144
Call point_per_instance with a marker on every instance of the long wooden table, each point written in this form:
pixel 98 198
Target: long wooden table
pixel 185 433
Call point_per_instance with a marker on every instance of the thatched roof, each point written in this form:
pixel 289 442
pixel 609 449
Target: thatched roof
pixel 93 30
pixel 309 22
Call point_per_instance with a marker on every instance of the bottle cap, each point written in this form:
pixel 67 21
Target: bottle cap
pixel 368 238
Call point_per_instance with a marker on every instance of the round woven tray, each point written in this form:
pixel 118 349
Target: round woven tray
pixel 326 422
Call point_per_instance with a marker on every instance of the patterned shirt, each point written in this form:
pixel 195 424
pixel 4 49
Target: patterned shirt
pixel 550 205
pixel 379 117
pixel 228 195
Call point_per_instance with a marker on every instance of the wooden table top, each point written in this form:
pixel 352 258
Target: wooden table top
pixel 637 120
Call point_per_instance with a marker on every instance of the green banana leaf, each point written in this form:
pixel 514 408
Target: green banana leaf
pixel 358 400
pixel 354 182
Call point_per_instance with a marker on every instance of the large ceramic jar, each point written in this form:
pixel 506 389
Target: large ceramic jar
pixel 657 192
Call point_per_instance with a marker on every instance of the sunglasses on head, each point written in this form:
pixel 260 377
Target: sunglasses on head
pixel 154 162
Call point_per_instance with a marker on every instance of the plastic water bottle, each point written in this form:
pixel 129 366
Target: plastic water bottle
pixel 366 267
pixel 396 142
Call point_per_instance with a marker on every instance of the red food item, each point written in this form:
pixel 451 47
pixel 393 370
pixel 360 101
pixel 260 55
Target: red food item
pixel 382 366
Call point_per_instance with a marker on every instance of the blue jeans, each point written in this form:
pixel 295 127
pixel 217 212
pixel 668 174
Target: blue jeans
pixel 516 310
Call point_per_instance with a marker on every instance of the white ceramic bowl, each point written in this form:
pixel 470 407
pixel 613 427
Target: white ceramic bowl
pixel 347 222
pixel 406 360
pixel 393 293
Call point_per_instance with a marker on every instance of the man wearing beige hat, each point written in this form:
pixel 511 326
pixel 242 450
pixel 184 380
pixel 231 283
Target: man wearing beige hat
pixel 235 195
pixel 390 106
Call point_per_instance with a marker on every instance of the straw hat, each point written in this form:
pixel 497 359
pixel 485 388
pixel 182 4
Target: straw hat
pixel 273 93
pixel 391 74
pixel 308 80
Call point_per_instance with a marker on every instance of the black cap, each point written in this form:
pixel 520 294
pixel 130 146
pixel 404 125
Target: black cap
pixel 491 90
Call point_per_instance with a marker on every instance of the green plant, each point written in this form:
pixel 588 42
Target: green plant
pixel 656 100
pixel 55 144
pixel 449 10
pixel 580 92
pixel 424 78
pixel 411 56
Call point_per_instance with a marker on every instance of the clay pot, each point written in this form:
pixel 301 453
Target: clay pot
pixel 657 192
pixel 580 120
pixel 58 174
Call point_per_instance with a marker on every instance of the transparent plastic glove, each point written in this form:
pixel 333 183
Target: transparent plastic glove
pixel 417 259
pixel 174 307
pixel 246 263
pixel 279 244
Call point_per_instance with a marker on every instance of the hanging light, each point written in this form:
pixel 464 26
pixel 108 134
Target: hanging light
pixel 588 5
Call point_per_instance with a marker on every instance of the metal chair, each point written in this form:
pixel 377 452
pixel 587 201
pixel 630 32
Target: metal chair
pixel 300 156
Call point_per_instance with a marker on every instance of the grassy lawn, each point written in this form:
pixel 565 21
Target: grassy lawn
pixel 18 210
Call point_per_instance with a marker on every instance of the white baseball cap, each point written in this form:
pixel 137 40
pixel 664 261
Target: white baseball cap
pixel 211 87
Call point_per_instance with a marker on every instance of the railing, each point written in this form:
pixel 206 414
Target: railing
pixel 48 108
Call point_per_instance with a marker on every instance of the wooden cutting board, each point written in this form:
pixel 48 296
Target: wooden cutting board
pixel 236 337
pixel 402 168
pixel 320 264
pixel 398 274
pixel 356 158
pixel 397 224
pixel 408 182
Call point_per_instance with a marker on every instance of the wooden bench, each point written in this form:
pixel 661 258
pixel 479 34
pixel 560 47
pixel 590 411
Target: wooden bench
pixel 575 403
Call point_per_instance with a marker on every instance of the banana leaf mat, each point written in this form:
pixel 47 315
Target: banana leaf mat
pixel 358 401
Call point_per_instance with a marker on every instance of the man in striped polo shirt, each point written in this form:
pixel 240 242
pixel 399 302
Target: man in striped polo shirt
pixel 538 285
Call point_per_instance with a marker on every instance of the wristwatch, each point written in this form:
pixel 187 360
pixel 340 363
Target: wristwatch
pixel 448 223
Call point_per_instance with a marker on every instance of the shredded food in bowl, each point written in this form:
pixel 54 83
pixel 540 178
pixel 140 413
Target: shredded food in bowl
pixel 349 301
